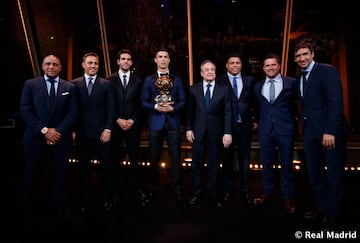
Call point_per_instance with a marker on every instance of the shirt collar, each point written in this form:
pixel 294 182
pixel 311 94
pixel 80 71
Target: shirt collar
pixel 231 77
pixel 121 73
pixel 47 78
pixel 276 79
pixel 88 76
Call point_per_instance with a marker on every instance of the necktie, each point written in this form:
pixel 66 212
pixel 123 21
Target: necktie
pixel 272 91
pixel 90 85
pixel 235 87
pixel 52 91
pixel 124 81
pixel 303 75
pixel 207 95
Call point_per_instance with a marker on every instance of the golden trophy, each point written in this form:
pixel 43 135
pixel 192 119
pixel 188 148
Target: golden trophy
pixel 163 85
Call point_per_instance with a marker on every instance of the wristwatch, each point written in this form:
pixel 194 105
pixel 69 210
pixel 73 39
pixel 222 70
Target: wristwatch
pixel 44 130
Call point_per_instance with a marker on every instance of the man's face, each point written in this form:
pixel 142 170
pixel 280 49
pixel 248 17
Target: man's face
pixel 208 72
pixel 91 65
pixel 271 67
pixel 125 62
pixel 303 57
pixel 51 66
pixel 162 60
pixel 234 65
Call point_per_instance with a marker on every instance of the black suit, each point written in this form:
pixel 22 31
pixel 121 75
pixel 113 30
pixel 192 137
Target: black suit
pixel 243 106
pixel 208 125
pixel 127 106
pixel 96 113
pixel 36 114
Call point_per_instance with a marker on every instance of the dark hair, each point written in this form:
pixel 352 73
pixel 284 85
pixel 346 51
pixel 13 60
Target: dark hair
pixel 304 44
pixel 272 55
pixel 126 51
pixel 162 49
pixel 233 54
pixel 93 54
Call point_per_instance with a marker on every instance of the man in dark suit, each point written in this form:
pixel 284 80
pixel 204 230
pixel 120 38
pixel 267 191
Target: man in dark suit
pixel 47 135
pixel 208 129
pixel 325 131
pixel 242 99
pixel 276 96
pixel 163 97
pixel 93 129
pixel 128 117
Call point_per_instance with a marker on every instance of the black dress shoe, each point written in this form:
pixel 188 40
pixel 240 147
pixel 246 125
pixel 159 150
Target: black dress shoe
pixel 108 205
pixel 142 198
pixel 245 197
pixel 62 214
pixel 228 197
pixel 180 201
pixel 329 222
pixel 263 200
pixel 218 204
pixel 289 206
pixel 84 210
pixel 195 199
pixel 313 215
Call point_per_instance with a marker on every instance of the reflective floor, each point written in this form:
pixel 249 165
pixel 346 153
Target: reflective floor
pixel 164 221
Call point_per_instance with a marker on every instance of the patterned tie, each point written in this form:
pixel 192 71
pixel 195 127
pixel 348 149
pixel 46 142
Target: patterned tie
pixel 124 81
pixel 90 85
pixel 304 81
pixel 235 87
pixel 52 95
pixel 207 95
pixel 272 91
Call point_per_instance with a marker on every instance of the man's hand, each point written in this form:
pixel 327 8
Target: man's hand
pixel 227 140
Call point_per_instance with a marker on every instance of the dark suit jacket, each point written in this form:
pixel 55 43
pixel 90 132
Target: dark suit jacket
pixel 37 113
pixel 97 113
pixel 244 105
pixel 156 119
pixel 281 114
pixel 214 121
pixel 127 104
pixel 322 105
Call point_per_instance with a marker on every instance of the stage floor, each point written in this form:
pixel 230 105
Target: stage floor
pixel 164 221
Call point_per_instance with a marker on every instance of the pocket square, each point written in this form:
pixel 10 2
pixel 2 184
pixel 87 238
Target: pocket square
pixel 65 93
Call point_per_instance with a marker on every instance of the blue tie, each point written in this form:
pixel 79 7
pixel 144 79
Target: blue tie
pixel 272 91
pixel 235 87
pixel 90 85
pixel 207 95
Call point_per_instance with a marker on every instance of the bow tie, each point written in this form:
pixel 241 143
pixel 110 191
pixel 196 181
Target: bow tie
pixel 164 74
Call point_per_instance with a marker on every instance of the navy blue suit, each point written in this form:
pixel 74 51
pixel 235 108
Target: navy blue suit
pixel 96 113
pixel 208 125
pixel 276 133
pixel 243 106
pixel 37 113
pixel 322 112
pixel 163 125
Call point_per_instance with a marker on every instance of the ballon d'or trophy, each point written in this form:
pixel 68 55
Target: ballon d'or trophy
pixel 163 85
